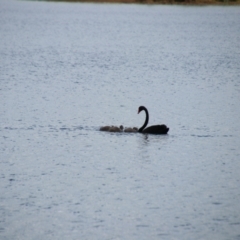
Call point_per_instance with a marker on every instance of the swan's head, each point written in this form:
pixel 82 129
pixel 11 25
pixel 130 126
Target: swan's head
pixel 141 108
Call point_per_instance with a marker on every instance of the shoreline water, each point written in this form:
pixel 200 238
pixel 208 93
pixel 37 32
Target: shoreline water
pixel 162 2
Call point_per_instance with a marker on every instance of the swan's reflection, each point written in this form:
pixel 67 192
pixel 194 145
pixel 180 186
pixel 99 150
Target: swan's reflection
pixel 145 138
pixel 150 140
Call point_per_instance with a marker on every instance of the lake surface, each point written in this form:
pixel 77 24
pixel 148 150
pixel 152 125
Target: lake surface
pixel 68 68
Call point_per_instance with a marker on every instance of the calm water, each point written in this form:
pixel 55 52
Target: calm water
pixel 67 69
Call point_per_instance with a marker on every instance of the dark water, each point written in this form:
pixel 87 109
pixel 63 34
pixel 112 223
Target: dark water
pixel 67 69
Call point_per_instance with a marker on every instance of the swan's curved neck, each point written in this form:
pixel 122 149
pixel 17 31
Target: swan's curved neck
pixel 146 121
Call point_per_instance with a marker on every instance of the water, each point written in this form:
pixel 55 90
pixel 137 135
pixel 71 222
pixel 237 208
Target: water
pixel 67 69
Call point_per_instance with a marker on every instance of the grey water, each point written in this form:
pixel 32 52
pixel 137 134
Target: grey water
pixel 68 68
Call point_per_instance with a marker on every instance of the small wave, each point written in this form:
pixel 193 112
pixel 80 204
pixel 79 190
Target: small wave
pixel 204 136
pixel 11 128
pixel 65 128
pixel 209 135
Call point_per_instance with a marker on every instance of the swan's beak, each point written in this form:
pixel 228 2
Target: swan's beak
pixel 138 111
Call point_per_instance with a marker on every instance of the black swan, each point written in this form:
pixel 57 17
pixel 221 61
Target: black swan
pixel 156 129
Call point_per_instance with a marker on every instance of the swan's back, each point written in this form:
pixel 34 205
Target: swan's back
pixel 156 129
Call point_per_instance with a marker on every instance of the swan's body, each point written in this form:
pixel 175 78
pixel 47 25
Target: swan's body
pixel 155 129
pixel 134 129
